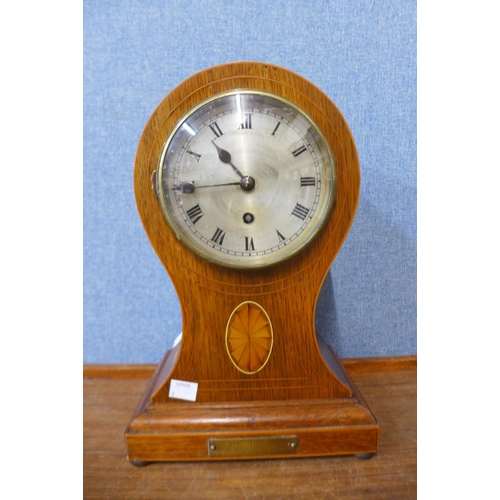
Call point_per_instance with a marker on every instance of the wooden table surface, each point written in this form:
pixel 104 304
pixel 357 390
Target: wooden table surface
pixel 390 389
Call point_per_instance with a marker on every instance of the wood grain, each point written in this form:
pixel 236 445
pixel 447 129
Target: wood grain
pixel 288 292
pixel 353 365
pixel 180 430
pixel 107 474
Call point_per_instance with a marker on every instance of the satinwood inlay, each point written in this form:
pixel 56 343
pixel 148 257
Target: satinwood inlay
pixel 249 337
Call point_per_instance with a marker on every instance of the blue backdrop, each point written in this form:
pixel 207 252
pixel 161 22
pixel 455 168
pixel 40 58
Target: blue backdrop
pixel 362 54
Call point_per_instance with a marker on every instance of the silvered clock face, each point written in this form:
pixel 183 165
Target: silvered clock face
pixel 246 179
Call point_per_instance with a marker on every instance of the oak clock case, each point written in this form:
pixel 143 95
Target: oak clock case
pixel 247 180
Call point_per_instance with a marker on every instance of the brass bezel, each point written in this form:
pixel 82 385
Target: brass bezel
pixel 271 258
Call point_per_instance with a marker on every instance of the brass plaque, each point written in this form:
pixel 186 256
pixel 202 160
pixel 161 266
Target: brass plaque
pixel 253 447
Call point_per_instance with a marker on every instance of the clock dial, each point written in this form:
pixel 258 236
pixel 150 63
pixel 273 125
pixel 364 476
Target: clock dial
pixel 246 179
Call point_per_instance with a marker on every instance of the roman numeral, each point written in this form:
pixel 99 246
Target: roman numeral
pixel 195 214
pixel 249 244
pixel 214 127
pixel 299 151
pixel 247 121
pixel 218 236
pixel 280 236
pixel 300 211
pixel 196 155
pixel 276 128
pixel 307 181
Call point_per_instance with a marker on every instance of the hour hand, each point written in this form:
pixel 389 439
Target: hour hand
pixel 225 157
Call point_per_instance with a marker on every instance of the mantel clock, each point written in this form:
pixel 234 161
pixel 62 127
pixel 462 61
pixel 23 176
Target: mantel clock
pixel 247 181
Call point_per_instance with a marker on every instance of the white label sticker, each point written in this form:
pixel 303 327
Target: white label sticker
pixel 183 390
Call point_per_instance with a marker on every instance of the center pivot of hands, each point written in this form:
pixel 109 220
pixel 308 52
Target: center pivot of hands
pixel 247 183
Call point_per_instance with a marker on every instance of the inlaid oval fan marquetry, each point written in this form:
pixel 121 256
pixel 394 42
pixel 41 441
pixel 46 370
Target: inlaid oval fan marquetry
pixel 249 337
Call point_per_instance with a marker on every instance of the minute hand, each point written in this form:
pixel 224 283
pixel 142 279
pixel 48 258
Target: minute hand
pixel 219 185
pixel 225 157
pixel 189 186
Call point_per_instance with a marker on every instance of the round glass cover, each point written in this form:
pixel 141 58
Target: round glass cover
pixel 246 179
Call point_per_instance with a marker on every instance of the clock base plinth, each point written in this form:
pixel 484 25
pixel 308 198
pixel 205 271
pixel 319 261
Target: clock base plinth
pixel 190 431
